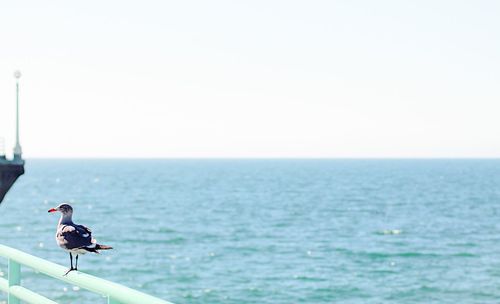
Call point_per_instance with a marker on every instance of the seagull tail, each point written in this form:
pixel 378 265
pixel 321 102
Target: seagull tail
pixel 102 247
pixel 97 248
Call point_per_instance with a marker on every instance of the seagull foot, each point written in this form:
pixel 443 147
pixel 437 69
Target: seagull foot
pixel 69 270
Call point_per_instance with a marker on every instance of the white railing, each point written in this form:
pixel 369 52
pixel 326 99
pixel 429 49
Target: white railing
pixel 115 293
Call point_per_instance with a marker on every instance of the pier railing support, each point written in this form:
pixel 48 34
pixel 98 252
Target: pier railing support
pixel 14 280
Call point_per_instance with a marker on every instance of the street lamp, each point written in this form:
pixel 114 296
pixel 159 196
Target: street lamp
pixel 18 151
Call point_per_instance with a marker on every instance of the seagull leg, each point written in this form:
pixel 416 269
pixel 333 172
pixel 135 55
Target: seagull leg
pixel 71 261
pixel 76 266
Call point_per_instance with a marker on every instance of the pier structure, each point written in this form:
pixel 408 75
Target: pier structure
pixel 11 169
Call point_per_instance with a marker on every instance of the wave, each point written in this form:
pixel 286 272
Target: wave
pixel 406 254
pixel 176 240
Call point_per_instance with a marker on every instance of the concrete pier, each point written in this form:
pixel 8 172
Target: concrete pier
pixel 10 170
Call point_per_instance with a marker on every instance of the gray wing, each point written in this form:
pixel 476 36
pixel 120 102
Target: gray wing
pixel 74 236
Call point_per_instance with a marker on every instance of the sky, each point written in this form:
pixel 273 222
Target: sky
pixel 326 79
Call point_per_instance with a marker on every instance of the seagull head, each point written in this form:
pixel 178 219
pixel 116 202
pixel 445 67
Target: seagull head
pixel 64 208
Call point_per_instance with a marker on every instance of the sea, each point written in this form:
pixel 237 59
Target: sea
pixel 278 231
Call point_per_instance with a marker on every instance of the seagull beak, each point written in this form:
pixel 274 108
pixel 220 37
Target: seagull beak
pixel 52 210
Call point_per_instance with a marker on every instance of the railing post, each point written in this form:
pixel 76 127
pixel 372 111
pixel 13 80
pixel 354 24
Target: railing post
pixel 14 279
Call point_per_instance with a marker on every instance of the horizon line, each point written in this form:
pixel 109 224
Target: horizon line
pixel 265 158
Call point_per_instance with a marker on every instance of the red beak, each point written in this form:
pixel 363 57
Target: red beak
pixel 52 210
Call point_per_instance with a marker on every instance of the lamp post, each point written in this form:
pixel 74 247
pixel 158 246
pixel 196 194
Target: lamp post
pixel 18 151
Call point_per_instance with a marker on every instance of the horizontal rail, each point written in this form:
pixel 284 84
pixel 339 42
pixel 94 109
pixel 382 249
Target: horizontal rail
pixel 116 293
pixel 24 294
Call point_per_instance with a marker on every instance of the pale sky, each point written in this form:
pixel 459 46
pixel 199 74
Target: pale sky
pixel 252 78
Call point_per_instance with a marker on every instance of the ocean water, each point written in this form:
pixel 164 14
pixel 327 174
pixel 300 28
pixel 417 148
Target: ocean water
pixel 269 231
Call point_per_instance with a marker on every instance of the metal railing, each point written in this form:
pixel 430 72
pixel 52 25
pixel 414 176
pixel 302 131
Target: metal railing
pixel 115 293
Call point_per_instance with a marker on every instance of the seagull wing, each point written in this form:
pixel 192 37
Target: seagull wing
pixel 84 229
pixel 74 236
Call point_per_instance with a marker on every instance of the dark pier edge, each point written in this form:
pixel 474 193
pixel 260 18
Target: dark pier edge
pixel 9 172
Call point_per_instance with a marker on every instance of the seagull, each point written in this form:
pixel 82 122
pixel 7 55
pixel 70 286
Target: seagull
pixel 73 238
